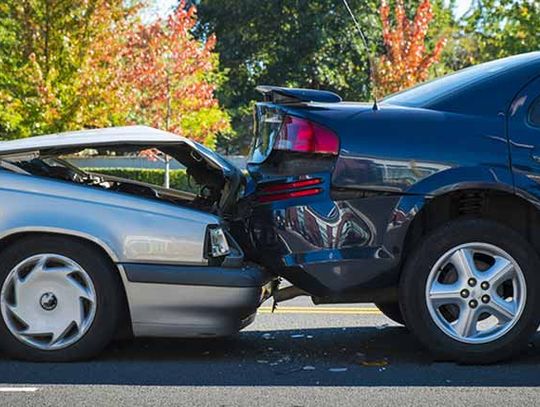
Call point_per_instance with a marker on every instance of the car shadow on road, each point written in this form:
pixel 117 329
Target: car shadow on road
pixel 365 356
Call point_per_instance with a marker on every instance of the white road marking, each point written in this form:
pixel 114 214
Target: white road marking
pixel 19 389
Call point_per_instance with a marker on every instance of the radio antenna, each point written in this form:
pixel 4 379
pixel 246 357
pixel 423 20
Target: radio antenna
pixel 368 52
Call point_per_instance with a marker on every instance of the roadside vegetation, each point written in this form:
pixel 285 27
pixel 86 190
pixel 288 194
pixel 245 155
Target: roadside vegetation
pixel 67 65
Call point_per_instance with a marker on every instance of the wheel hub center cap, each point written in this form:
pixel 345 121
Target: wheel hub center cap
pixel 48 301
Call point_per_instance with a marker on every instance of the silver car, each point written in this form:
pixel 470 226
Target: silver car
pixel 85 255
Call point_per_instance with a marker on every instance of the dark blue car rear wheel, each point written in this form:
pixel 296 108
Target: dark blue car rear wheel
pixel 470 291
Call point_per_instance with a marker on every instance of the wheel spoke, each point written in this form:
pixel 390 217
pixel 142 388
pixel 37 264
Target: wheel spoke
pixel 442 294
pixel 82 292
pixel 499 272
pixel 60 334
pixel 61 271
pixel 503 310
pixel 13 309
pixel 465 325
pixel 39 267
pixel 463 261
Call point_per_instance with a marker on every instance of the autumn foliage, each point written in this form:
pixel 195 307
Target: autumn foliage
pixel 67 65
pixel 406 60
pixel 169 78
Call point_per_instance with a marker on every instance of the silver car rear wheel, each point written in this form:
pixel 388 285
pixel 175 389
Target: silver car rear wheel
pixel 476 293
pixel 48 301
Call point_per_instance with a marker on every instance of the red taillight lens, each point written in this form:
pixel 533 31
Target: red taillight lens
pixel 291 185
pixel 288 195
pixel 291 190
pixel 304 136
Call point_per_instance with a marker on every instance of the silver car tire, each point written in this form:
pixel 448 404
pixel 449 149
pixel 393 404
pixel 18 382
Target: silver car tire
pixel 470 291
pixel 60 299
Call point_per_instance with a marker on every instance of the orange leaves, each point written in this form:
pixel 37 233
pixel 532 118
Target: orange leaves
pixel 170 77
pixel 406 60
pixel 155 74
pixel 68 65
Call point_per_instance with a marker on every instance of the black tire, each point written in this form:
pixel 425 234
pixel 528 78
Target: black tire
pixel 414 279
pixel 391 310
pixel 107 287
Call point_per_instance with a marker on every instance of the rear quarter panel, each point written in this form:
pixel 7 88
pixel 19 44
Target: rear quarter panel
pixel 129 228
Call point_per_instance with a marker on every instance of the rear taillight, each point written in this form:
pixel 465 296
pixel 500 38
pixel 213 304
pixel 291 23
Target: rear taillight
pixel 288 190
pixel 304 136
pixel 291 185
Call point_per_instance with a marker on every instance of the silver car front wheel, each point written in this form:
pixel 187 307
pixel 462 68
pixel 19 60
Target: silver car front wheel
pixel 48 301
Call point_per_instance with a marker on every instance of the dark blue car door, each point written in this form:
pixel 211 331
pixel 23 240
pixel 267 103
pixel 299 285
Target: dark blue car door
pixel 524 135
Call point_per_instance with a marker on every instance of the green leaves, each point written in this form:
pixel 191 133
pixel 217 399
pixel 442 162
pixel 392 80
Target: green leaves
pixel 170 78
pixel 504 27
pixel 66 65
pixel 44 46
pixel 301 43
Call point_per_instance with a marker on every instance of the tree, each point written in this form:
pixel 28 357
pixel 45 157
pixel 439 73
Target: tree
pixel 43 46
pixel 302 43
pixel 502 28
pixel 406 60
pixel 72 64
pixel 169 78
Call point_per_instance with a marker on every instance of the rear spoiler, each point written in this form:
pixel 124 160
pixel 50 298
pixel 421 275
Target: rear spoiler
pixel 279 95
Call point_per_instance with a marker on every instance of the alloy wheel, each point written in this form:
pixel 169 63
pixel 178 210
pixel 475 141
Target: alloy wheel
pixel 475 293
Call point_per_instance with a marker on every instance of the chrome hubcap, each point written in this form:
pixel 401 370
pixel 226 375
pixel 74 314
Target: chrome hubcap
pixel 476 293
pixel 48 301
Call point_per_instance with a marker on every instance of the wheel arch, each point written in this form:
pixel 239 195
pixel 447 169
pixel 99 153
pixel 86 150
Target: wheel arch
pixel 14 234
pixel 498 204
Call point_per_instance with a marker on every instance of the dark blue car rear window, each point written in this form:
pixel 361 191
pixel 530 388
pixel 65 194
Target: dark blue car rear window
pixel 428 92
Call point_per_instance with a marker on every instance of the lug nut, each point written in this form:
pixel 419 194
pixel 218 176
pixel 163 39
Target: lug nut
pixel 485 299
pixel 484 285
pixel 473 303
pixel 472 282
pixel 464 293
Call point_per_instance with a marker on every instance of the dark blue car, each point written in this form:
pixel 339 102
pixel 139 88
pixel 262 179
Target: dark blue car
pixel 427 204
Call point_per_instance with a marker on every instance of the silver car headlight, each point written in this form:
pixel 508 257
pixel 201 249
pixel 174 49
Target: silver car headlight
pixel 218 242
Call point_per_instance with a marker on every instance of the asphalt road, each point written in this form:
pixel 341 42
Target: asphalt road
pixel 300 356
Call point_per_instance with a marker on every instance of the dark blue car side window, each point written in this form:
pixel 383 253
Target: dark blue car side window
pixel 534 113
